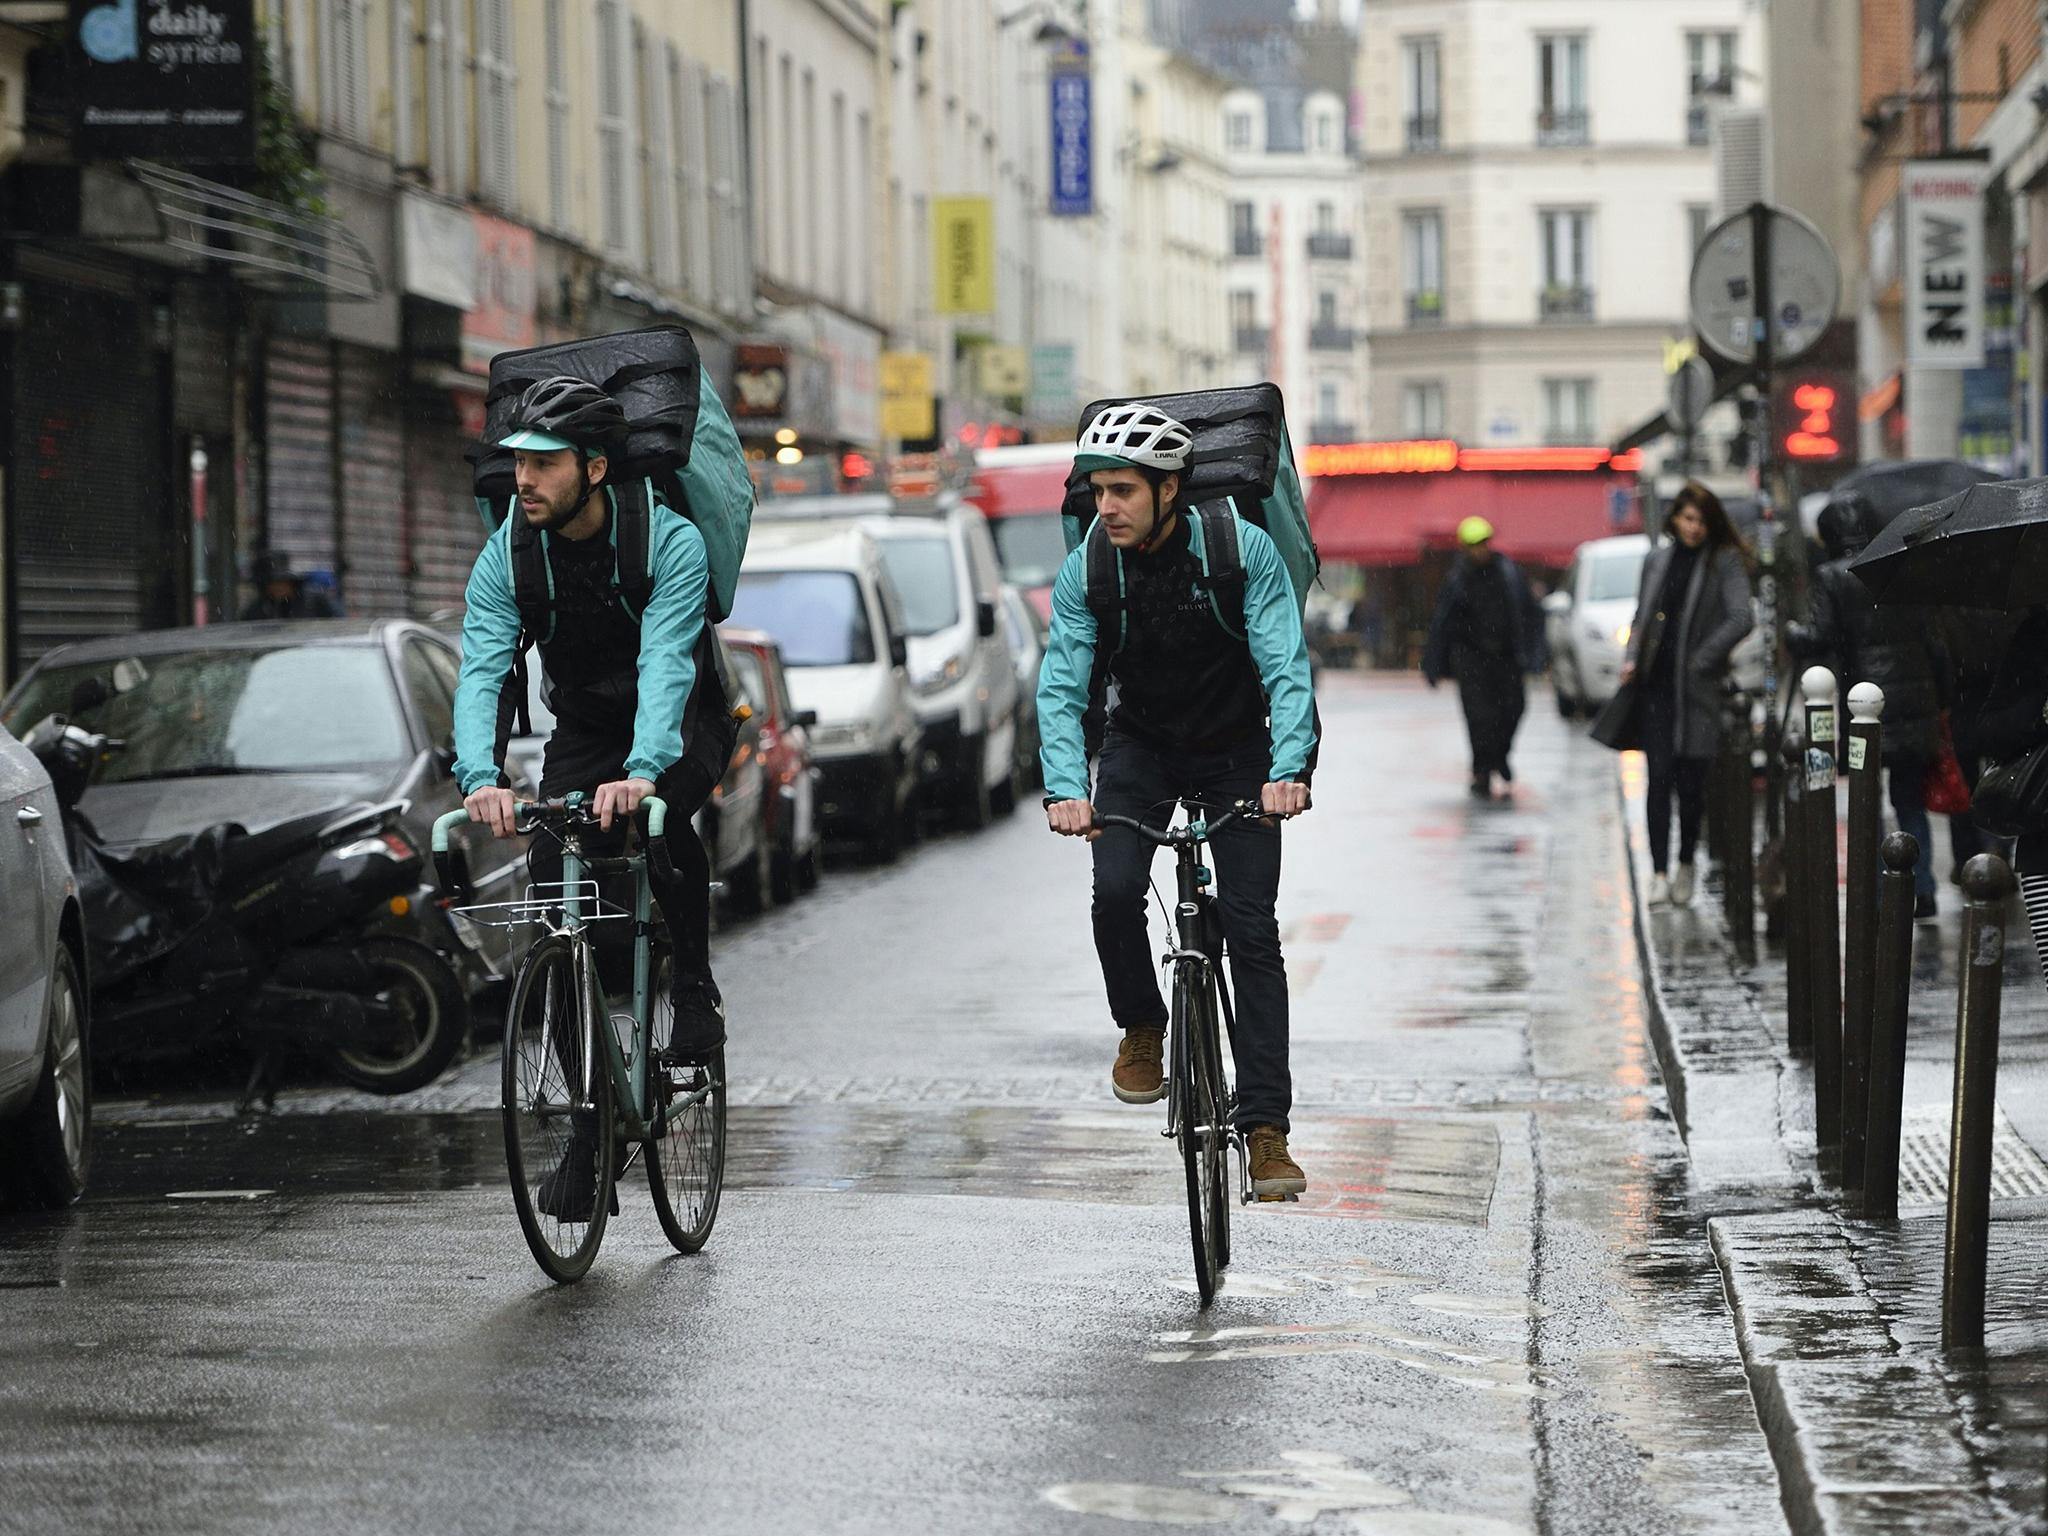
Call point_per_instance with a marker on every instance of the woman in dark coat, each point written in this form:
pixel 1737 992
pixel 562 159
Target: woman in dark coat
pixel 1692 611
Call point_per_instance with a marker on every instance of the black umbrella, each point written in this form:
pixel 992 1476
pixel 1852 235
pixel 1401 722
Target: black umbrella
pixel 1898 486
pixel 1984 548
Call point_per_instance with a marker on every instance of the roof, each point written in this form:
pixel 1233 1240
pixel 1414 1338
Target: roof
pixel 245 635
pixel 807 546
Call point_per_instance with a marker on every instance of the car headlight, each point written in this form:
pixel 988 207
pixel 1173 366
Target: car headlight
pixel 932 682
pixel 846 736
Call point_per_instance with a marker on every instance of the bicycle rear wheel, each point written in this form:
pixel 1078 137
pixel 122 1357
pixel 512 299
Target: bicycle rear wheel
pixel 1203 1134
pixel 550 1027
pixel 686 1154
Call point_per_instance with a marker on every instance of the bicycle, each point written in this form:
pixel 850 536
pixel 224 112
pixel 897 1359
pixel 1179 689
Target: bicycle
pixel 619 1083
pixel 1200 1103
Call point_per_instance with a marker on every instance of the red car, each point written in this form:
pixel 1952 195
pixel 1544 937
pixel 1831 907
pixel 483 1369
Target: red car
pixel 789 808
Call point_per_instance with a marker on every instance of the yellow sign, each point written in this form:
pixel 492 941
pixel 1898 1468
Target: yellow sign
pixel 963 256
pixel 907 411
pixel 1676 351
pixel 1005 371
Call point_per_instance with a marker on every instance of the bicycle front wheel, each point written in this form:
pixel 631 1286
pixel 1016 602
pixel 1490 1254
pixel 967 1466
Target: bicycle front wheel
pixel 558 1111
pixel 686 1154
pixel 1203 1134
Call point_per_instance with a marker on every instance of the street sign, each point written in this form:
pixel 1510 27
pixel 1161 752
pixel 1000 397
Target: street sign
pixel 1073 131
pixel 1805 287
pixel 1689 392
pixel 1944 202
pixel 176 86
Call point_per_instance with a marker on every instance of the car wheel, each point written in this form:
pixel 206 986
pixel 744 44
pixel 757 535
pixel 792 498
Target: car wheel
pixel 810 869
pixel 748 891
pixel 1011 790
pixel 975 808
pixel 54 1139
pixel 421 988
pixel 782 874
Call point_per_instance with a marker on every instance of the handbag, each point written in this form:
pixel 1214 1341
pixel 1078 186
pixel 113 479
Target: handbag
pixel 1945 791
pixel 2012 798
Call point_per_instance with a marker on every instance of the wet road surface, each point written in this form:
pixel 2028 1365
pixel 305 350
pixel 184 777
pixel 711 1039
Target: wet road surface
pixel 949 1288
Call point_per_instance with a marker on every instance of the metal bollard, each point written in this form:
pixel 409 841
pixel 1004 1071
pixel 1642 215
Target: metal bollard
pixel 1823 915
pixel 1859 938
pixel 1891 990
pixel 1792 860
pixel 1986 883
pixel 1738 810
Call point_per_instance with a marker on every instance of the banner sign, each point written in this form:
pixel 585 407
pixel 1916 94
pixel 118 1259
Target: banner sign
pixel 1944 234
pixel 1052 381
pixel 167 80
pixel 1073 148
pixel 963 256
pixel 1005 371
pixel 907 409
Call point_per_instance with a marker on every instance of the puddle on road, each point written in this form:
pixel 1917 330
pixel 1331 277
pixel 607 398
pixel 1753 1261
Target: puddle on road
pixel 1478 1306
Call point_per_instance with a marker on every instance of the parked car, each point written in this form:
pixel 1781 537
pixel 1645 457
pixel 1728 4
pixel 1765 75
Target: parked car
pixel 789 806
pixel 1020 490
pixel 270 722
pixel 1025 632
pixel 823 593
pixel 45 1018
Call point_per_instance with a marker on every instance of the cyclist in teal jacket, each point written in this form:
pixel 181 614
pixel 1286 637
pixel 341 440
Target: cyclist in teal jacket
pixel 638 704
pixel 1203 712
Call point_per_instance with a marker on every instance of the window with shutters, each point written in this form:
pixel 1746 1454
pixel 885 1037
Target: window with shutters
pixel 658 157
pixel 1422 86
pixel 439 161
pixel 347 76
pixel 1422 408
pixel 733 282
pixel 497 95
pixel 1568 412
pixel 649 170
pixel 689 163
pixel 557 100
pixel 842 224
pixel 614 150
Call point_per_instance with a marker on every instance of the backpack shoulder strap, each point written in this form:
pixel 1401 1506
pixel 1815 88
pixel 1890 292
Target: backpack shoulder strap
pixel 634 540
pixel 1105 587
pixel 1223 564
pixel 533 584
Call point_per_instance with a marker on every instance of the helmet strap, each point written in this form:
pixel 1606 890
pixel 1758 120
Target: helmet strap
pixel 1160 524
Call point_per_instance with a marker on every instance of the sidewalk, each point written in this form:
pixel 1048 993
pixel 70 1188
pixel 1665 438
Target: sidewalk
pixel 1838 1319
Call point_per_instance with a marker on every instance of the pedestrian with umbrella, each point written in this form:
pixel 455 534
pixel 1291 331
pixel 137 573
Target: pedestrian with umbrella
pixel 1487 632
pixel 1692 610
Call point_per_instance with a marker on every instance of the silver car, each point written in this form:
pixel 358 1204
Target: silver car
pixel 45 1084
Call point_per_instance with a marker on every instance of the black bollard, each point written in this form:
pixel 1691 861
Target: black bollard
pixel 1738 810
pixel 1891 991
pixel 1792 860
pixel 1864 743
pixel 1823 917
pixel 1986 883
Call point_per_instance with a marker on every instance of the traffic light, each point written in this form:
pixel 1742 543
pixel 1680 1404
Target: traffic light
pixel 1814 416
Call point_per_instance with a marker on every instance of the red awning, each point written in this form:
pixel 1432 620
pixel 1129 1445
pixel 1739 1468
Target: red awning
pixel 1538 518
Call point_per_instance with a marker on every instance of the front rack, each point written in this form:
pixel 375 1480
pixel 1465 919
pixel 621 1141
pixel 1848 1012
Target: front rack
pixel 546 902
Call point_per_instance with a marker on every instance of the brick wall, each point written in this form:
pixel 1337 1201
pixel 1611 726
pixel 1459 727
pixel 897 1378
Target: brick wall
pixel 1995 44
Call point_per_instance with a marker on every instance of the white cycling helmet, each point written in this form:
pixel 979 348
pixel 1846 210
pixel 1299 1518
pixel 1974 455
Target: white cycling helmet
pixel 1134 436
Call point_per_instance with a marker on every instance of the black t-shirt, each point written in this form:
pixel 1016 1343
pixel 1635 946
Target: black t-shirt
pixel 1183 682
pixel 1671 607
pixel 593 656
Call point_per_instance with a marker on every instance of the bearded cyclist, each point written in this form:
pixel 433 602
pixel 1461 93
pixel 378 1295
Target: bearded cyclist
pixel 1203 713
pixel 638 705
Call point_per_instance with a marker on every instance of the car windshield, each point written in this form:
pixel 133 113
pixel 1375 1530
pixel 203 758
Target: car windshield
pixel 1031 547
pixel 187 714
pixel 923 572
pixel 817 616
pixel 1614 576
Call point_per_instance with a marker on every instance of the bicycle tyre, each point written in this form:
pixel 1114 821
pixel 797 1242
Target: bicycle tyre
pixel 686 1155
pixel 1217 1149
pixel 537 1104
pixel 1193 1114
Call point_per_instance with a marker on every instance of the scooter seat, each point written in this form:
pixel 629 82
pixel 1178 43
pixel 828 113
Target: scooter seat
pixel 252 853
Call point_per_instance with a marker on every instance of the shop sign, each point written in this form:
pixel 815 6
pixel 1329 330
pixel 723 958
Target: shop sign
pixel 1073 134
pixel 437 251
pixel 907 407
pixel 1944 231
pixel 853 354
pixel 166 80
pixel 963 256
pixel 760 381
pixel 1004 372
pixel 501 318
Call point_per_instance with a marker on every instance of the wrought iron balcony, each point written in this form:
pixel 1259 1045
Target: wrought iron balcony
pixel 1252 338
pixel 1247 242
pixel 1696 123
pixel 1425 308
pixel 1329 245
pixel 1328 337
pixel 1563 125
pixel 1333 431
pixel 1563 302
pixel 1424 134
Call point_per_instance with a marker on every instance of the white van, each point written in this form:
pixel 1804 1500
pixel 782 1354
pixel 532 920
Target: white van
pixel 823 592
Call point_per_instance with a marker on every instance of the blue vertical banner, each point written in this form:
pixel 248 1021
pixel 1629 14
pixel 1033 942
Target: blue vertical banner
pixel 1073 142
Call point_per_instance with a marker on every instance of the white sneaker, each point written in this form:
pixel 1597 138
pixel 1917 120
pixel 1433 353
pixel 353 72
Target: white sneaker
pixel 1681 886
pixel 1660 890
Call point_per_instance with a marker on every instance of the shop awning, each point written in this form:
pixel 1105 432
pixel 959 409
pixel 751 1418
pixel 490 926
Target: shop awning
pixel 1538 518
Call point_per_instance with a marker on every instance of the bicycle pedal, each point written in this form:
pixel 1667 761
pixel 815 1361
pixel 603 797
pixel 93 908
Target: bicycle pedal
pixel 1276 1199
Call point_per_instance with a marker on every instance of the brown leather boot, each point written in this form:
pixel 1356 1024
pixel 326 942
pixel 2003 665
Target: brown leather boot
pixel 1274 1173
pixel 1136 1078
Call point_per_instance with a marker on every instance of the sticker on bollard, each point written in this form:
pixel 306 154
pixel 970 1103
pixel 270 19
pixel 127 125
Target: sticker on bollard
pixel 1858 753
pixel 1820 767
pixel 1990 949
pixel 1823 725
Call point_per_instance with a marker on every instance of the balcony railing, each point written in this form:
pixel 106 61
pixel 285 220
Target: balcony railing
pixel 1332 431
pixel 1564 303
pixel 1425 308
pixel 1329 245
pixel 1563 125
pixel 1696 123
pixel 1326 336
pixel 1252 338
pixel 1424 134
pixel 1247 242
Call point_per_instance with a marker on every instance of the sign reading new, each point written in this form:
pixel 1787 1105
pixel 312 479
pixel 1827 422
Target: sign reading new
pixel 1944 231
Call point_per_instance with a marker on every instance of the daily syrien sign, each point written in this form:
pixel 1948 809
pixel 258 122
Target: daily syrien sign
pixel 1944 276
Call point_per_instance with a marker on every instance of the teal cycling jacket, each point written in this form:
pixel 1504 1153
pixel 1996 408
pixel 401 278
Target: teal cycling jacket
pixel 1273 618
pixel 669 631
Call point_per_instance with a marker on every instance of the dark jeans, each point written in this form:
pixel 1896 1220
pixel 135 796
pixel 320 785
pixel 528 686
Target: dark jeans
pixel 1135 780
pixel 1906 780
pixel 1491 691
pixel 579 759
pixel 1670 774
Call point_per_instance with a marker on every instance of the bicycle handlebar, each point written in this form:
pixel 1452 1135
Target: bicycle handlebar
pixel 1173 837
pixel 573 811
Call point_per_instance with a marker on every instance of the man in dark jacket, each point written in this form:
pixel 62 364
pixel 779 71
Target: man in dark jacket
pixel 1487 632
pixel 283 593
pixel 1897 648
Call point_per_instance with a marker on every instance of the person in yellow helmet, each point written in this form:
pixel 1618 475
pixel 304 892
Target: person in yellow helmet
pixel 1488 631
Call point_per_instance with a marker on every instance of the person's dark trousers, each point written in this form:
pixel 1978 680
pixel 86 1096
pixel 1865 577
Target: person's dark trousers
pixel 1135 780
pixel 1906 780
pixel 1670 777
pixel 580 760
pixel 1965 838
pixel 1491 693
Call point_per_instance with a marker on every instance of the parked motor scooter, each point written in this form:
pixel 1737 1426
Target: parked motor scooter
pixel 257 937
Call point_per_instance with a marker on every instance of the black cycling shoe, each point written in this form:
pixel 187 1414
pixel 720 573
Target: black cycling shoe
pixel 699 1022
pixel 570 1192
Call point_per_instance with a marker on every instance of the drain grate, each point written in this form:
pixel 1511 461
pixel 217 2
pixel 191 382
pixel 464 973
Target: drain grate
pixel 2016 1172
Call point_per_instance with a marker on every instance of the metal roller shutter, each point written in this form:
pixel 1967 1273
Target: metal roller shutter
pixel 446 532
pixel 89 476
pixel 298 400
pixel 372 459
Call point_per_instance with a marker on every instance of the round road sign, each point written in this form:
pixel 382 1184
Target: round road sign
pixel 1805 286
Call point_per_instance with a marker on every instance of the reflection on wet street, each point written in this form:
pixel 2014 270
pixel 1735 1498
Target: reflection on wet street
pixel 950 1287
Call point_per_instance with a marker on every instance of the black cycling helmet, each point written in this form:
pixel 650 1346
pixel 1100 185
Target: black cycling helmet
pixel 566 412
